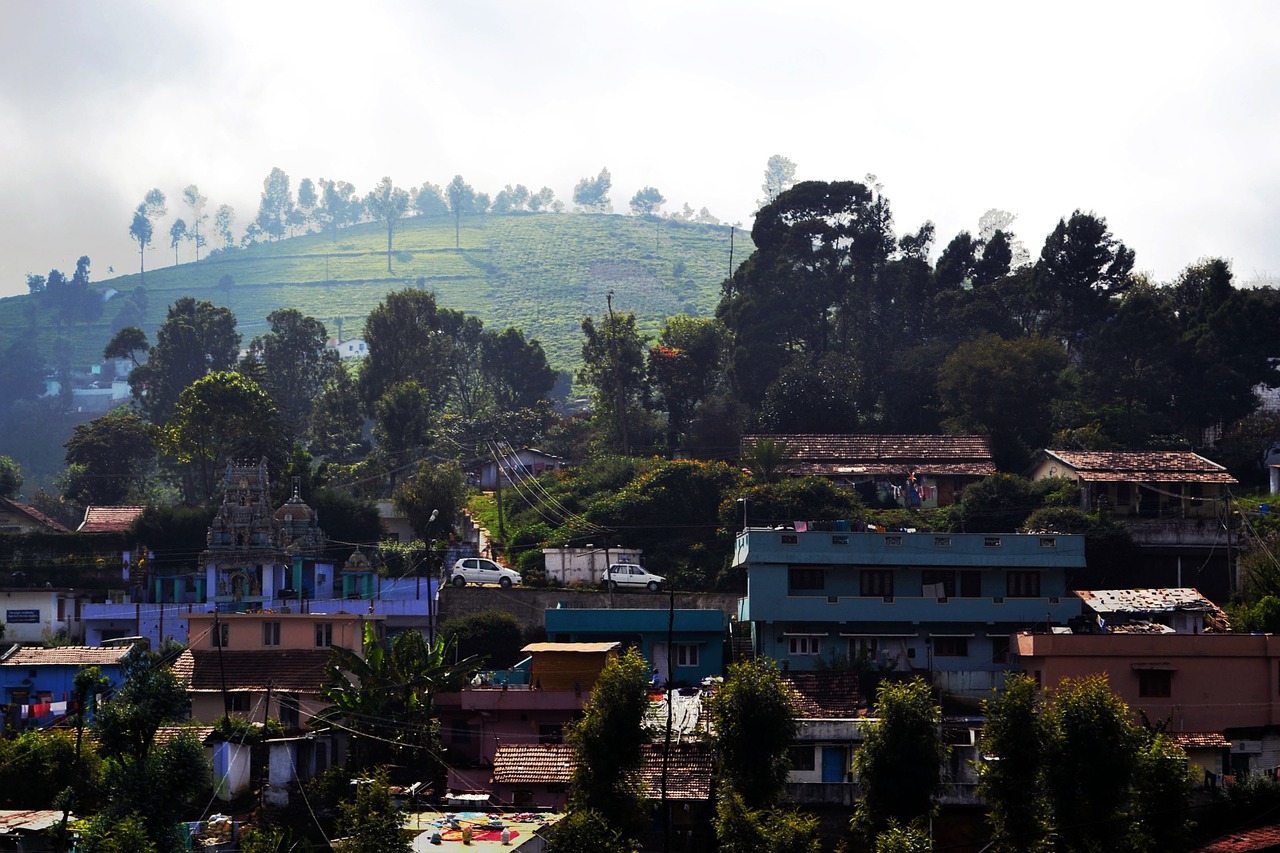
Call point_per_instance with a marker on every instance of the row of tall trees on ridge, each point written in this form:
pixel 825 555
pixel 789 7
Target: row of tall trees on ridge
pixel 331 205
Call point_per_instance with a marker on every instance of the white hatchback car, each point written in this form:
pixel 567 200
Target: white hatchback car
pixel 479 570
pixel 629 576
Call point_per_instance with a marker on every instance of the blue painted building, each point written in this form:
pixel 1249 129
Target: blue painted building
pixel 696 641
pixel 941 605
pixel 37 685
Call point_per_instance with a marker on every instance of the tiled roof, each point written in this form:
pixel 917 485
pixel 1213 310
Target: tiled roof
pixel 1201 740
pixel 1262 838
pixel 854 455
pixel 826 695
pixel 689 767
pixel 1140 628
pixel 34 514
pixel 533 763
pixel 164 734
pixel 294 670
pixel 109 519
pixel 1149 466
pixel 66 656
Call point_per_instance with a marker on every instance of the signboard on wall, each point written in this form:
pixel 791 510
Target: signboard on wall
pixel 16 616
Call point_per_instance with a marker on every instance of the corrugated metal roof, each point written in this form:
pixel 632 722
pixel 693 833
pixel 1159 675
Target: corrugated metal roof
pixel 29 820
pixel 595 648
pixel 1166 600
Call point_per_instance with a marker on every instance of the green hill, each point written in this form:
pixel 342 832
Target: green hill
pixel 541 272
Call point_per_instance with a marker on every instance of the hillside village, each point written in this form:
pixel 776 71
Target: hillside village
pixel 975 569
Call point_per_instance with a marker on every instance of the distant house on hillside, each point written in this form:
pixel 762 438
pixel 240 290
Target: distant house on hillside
pixel 910 470
pixel 350 348
pixel 517 466
pixel 20 518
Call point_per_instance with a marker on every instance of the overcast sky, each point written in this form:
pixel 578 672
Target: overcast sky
pixel 1162 117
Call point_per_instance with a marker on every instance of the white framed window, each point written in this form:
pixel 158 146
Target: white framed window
pixel 270 633
pixel 685 654
pixel 804 646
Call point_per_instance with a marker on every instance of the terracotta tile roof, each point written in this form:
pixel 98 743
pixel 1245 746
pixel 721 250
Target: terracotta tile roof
pixel 1200 740
pixel 294 670
pixel 108 519
pixel 826 695
pixel 689 767
pixel 870 455
pixel 533 763
pixel 66 656
pixel 1149 466
pixel 36 516
pixel 164 734
pixel 1262 838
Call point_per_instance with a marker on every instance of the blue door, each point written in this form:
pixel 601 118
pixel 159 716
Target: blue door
pixel 833 769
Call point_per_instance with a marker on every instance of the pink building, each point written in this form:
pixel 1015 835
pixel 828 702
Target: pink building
pixel 1200 682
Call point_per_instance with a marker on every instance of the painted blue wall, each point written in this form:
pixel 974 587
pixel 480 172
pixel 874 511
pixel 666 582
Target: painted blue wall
pixel 706 629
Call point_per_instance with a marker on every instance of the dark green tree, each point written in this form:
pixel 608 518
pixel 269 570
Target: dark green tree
pixel 685 368
pixel 337 420
pixel 607 743
pixel 297 365
pixel 976 382
pixel 433 487
pixel 771 830
pixel 151 781
pixel 402 420
pixel 1014 741
pixel 587 831
pixel 613 366
pixel 196 337
pixel 494 636
pixel 1081 266
pixel 115 454
pixel 754 718
pixel 405 343
pixel 10 478
pixel 220 417
pixel 899 766
pixel 370 823
pixel 515 369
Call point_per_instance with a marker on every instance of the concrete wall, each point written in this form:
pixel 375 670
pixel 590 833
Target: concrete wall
pixel 530 605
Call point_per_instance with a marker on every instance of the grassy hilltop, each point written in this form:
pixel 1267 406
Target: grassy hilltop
pixel 541 272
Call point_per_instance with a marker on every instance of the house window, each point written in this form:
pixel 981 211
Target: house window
pixel 893 541
pixel 1155 683
pixel 942 541
pixel 804 646
pixel 460 731
pixel 840 540
pixel 806 579
pixel 864 648
pixel 550 733
pixel 220 635
pixel 1023 585
pixel 951 647
pixel 324 635
pixel 946 583
pixel 270 633
pixel 1123 495
pixel 1048 542
pixel 685 654
pixel 877 582
pixel 991 542
pixel 289 710
pixel 802 758
pixel 239 703
pixel 999 649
